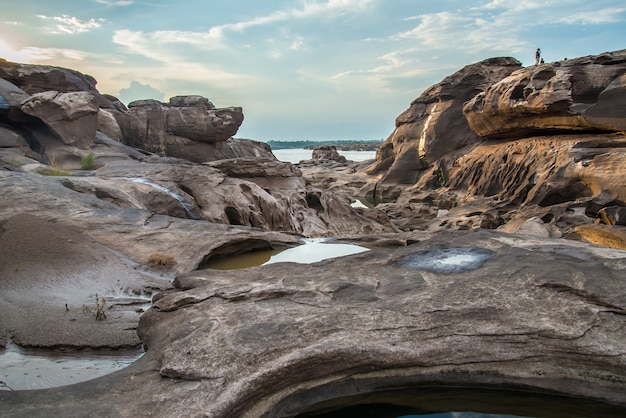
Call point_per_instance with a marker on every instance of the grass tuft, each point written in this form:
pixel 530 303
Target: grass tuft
pixel 161 260
pixel 87 162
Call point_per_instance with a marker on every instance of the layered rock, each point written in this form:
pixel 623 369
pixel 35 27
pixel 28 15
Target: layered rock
pixel 581 94
pixel 73 117
pixel 434 125
pixel 189 127
pixel 327 152
pixel 543 142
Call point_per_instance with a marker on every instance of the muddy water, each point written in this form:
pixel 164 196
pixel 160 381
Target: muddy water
pixel 313 250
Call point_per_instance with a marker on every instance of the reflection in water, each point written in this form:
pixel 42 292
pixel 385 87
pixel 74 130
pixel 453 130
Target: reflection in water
pixel 312 251
pixel 23 369
pixel 437 402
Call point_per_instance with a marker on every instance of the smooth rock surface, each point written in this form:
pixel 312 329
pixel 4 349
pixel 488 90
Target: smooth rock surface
pixel 496 310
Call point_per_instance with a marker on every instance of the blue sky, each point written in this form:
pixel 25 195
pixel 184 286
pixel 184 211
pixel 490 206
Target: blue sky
pixel 301 69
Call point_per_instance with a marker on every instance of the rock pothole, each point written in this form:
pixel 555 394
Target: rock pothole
pixel 447 260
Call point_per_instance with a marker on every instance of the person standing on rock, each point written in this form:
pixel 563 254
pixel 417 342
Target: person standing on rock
pixel 537 56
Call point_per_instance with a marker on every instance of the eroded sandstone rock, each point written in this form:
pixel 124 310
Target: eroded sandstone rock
pixel 460 309
pixel 434 124
pixel 189 127
pixel 73 117
pixel 575 95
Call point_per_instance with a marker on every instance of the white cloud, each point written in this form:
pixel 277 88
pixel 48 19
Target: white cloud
pixel 609 15
pixel 34 54
pixel 70 24
pixel 297 44
pixel 145 43
pixel 111 3
pixel 13 23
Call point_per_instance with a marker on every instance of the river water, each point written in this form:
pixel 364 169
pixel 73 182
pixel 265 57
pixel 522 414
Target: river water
pixel 295 155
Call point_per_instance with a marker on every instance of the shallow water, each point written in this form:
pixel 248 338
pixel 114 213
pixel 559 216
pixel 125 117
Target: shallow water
pixel 295 155
pixel 23 369
pixel 463 402
pixel 312 251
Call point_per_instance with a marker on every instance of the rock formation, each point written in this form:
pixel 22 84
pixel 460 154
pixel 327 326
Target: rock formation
pixel 433 125
pixel 463 308
pixel 189 127
pixel 455 305
pixel 68 103
pixel 327 152
pixel 514 143
pixel 584 94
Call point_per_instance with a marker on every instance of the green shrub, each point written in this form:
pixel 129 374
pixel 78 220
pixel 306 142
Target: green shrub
pixel 87 162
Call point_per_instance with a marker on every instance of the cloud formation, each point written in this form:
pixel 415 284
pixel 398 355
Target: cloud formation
pixel 70 24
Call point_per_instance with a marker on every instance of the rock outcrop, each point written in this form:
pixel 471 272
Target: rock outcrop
pixel 73 117
pixel 327 152
pixel 518 308
pixel 189 127
pixel 460 309
pixel 584 94
pixel 434 125
pixel 68 103
pixel 542 142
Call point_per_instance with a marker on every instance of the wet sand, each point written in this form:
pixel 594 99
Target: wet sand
pixel 49 278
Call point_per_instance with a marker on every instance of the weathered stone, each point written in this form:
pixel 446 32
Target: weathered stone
pixel 187 127
pixel 434 124
pixel 73 117
pixel 327 152
pixel 49 278
pixel 41 78
pixel 461 309
pixel 574 95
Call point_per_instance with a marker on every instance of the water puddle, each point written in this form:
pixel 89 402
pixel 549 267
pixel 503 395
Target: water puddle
pixel 25 369
pixel 189 208
pixel 312 251
pixel 446 260
pixel 448 402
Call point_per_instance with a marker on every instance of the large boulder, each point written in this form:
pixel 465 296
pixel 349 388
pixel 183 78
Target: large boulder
pixel 11 98
pixel 189 127
pixel 34 78
pixel 581 94
pixel 73 117
pixel 434 124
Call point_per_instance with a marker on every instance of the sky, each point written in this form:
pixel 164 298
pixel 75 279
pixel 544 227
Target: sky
pixel 300 69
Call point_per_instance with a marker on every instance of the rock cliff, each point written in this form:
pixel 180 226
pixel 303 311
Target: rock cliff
pixel 501 144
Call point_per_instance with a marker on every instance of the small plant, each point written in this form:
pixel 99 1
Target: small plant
pixel 87 162
pixel 53 172
pixel 55 168
pixel 161 260
pixel 100 315
pixel 12 163
pixel 100 303
pixel 442 177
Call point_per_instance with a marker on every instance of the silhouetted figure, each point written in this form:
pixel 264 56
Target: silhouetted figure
pixel 537 56
pixel 542 61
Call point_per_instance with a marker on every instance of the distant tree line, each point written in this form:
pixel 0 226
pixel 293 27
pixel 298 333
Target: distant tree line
pixel 342 145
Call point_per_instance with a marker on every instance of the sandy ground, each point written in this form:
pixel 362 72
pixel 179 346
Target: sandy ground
pixel 50 277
